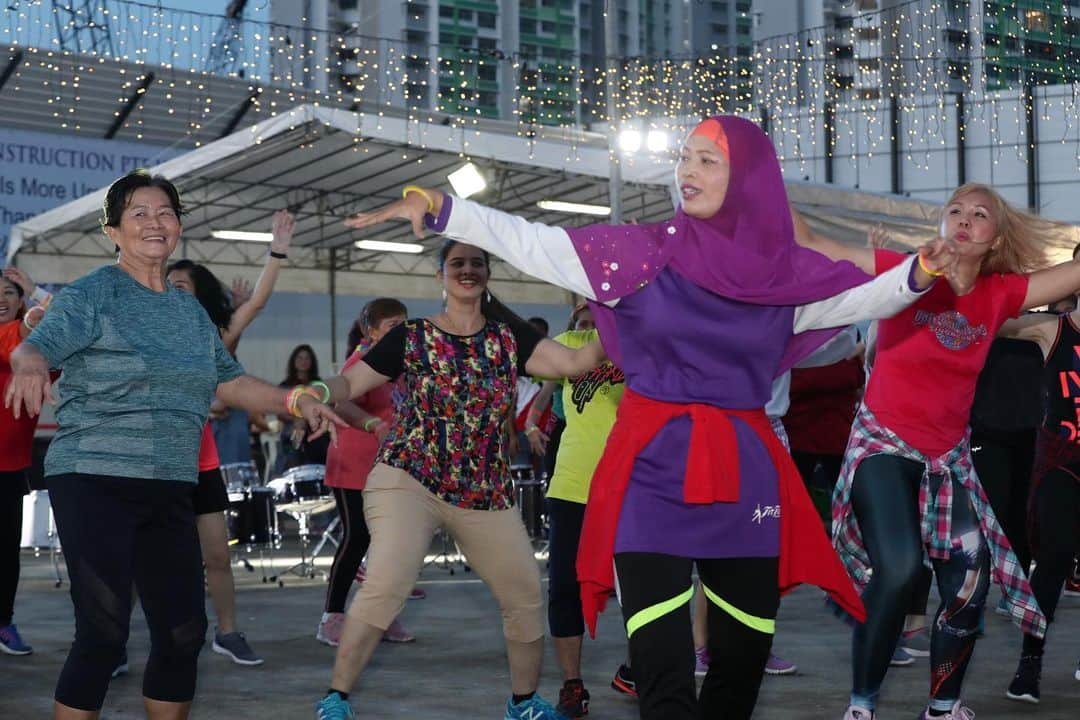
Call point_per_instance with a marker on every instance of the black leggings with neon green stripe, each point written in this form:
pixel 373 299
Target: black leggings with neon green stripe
pixel 653 591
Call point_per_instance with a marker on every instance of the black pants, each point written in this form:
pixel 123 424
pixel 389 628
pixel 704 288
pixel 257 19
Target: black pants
pixel 885 500
pixel 1003 461
pixel 1057 508
pixel 355 540
pixel 116 531
pixel 12 488
pixel 661 644
pixel 564 593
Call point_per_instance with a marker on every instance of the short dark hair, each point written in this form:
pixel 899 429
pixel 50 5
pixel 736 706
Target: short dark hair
pixel 540 324
pixel 371 315
pixel 119 195
pixel 208 291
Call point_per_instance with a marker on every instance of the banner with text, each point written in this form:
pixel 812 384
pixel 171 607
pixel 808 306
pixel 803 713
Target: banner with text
pixel 40 171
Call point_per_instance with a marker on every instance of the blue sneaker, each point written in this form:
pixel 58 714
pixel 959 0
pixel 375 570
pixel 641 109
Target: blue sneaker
pixel 535 708
pixel 333 707
pixel 11 642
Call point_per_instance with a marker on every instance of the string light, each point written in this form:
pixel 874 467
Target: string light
pixel 916 56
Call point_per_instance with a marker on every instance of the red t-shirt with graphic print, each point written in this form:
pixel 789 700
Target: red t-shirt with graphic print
pixel 929 357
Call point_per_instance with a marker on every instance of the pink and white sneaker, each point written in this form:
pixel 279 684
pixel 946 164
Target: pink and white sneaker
pixel 330 627
pixel 854 712
pixel 958 712
pixel 397 633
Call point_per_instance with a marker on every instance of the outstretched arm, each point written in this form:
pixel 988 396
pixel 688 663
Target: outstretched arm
pixel 246 312
pixel 540 250
pixel 1052 284
pixel 1039 328
pixel 884 296
pixel 552 359
pixel 862 257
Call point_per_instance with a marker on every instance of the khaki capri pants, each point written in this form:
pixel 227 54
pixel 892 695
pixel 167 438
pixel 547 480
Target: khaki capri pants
pixel 402 516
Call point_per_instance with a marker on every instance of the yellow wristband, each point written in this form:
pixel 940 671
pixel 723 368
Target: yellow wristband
pixel 417 189
pixel 928 271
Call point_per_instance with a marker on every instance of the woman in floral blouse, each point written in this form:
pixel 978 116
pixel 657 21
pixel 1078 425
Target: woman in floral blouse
pixel 444 463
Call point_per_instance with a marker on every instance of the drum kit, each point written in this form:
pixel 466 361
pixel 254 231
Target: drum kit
pixel 529 492
pixel 254 509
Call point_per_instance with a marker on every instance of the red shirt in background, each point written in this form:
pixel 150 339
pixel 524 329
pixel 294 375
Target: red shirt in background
pixel 16 436
pixel 349 462
pixel 823 403
pixel 929 357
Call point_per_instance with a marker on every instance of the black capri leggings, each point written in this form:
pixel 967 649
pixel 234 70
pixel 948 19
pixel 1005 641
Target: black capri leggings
pixel 116 531
pixel 355 540
pixel 743 597
pixel 564 593
pixel 885 498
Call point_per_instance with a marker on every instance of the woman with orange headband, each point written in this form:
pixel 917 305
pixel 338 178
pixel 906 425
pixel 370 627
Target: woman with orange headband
pixel 700 312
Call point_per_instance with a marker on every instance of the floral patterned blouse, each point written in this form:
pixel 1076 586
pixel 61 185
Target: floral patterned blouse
pixel 448 432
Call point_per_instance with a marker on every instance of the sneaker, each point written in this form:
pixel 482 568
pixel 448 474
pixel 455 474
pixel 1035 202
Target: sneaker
pixel 397 633
pixel 573 699
pixel 333 707
pixel 901 657
pixel 958 712
pixel 623 681
pixel 916 643
pixel 535 708
pixel 122 667
pixel 330 627
pixel 417 594
pixel 1002 608
pixel 11 642
pixel 854 712
pixel 1072 587
pixel 235 647
pixel 701 662
pixel 777 665
pixel 1025 683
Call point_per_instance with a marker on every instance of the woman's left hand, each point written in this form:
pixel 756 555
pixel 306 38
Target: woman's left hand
pixel 319 418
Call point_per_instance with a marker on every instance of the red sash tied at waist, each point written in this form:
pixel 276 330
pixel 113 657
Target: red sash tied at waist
pixel 712 475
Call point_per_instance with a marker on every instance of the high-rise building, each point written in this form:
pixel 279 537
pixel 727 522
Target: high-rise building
pixel 1030 41
pixel 540 61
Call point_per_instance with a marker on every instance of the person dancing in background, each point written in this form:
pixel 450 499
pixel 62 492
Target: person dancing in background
pixel 347 466
pixel 16 446
pixel 141 361
pixel 444 463
pixel 1054 503
pixel 908 489
pixel 692 472
pixel 590 401
pixel 211 497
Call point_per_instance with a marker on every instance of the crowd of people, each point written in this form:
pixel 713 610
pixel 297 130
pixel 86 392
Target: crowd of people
pixel 699 339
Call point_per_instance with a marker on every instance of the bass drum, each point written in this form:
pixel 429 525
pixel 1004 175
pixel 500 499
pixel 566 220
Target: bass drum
pixel 251 517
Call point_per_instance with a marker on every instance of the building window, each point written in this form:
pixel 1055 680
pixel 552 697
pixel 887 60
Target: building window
pixel 1036 21
pixel 485 19
pixel 446 11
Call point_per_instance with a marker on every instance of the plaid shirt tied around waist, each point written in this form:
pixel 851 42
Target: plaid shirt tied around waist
pixel 869 437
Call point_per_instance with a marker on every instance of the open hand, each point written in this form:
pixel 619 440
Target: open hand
pixel 412 207
pixel 320 418
pixel 30 386
pixel 282 227
pixel 21 279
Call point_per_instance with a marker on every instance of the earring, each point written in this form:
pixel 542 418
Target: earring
pixel 489 296
pixel 444 294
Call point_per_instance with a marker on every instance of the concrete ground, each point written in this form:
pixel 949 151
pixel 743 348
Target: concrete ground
pixel 456 669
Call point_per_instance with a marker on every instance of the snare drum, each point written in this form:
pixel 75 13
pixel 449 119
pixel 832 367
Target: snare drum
pixel 300 484
pixel 529 495
pixel 251 518
pixel 240 476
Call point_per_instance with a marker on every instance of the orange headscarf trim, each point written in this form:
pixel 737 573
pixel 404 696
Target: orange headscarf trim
pixel 714 131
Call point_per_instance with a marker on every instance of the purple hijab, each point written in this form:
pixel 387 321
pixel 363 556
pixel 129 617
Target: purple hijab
pixel 745 252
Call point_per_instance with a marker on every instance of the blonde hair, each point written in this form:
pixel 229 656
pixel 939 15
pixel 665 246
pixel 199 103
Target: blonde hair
pixel 1024 237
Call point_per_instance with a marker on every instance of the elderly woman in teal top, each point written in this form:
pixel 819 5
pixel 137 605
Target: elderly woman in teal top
pixel 141 362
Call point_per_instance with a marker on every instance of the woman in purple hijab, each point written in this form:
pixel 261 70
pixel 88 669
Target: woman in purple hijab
pixel 701 312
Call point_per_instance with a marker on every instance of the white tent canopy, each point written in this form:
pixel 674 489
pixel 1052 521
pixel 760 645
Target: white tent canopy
pixel 326 163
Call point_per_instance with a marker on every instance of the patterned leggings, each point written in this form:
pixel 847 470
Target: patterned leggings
pixel 885 499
